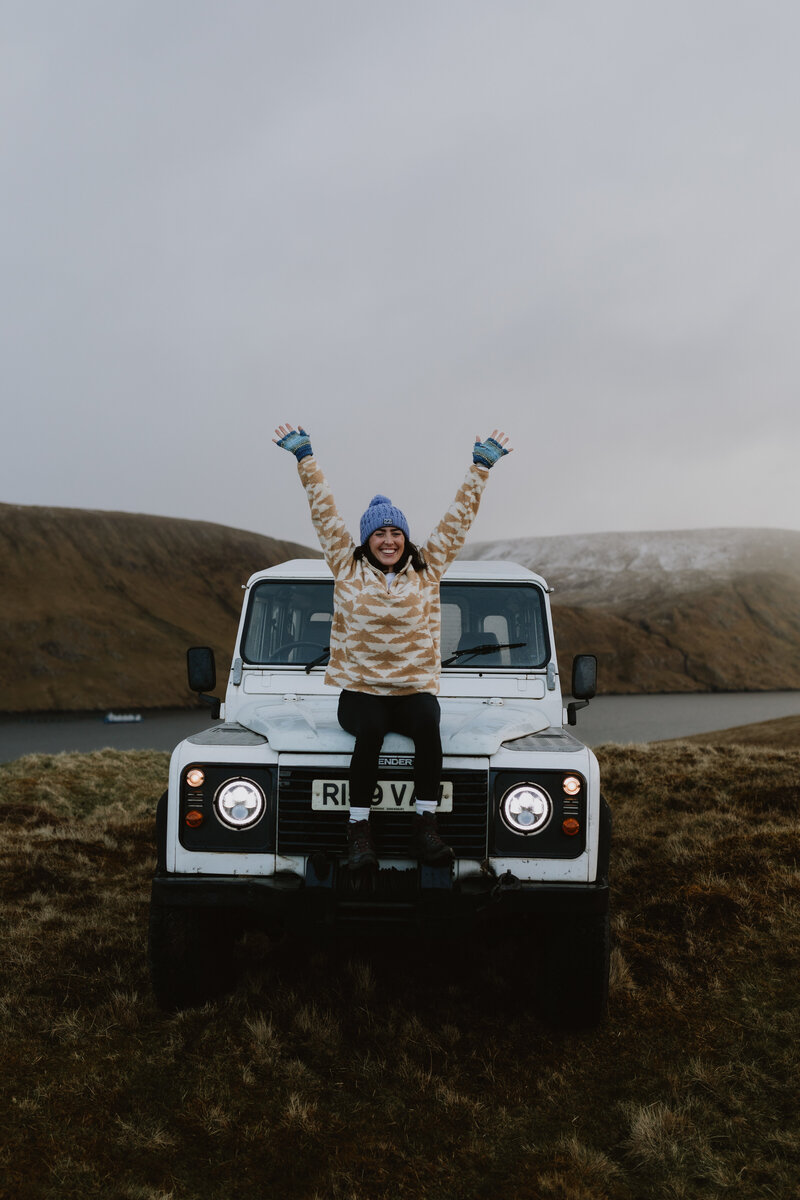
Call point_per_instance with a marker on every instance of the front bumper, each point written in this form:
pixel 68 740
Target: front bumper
pixel 401 899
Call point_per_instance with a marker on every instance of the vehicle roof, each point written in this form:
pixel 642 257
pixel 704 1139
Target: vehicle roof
pixel 482 570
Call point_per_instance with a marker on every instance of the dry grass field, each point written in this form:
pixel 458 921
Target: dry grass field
pixel 363 1073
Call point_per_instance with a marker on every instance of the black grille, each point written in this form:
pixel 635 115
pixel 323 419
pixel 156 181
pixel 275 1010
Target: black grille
pixel 301 830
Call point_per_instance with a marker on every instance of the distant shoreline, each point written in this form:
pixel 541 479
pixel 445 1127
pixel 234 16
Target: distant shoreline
pixel 79 714
pixel 56 714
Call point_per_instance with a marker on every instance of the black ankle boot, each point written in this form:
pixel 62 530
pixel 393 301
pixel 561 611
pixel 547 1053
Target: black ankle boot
pixel 427 843
pixel 360 848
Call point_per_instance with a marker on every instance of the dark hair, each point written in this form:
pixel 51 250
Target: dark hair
pixel 410 551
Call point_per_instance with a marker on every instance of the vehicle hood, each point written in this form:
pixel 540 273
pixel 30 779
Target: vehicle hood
pixel 308 725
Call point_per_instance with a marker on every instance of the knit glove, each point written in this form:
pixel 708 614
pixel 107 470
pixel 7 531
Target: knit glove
pixel 486 454
pixel 297 443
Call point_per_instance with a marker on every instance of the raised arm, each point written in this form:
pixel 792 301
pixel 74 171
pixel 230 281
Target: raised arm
pixel 450 534
pixel 337 544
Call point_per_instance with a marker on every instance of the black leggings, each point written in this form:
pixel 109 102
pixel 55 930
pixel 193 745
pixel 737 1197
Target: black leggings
pixel 370 718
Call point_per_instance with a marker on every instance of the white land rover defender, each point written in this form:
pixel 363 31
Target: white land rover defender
pixel 252 829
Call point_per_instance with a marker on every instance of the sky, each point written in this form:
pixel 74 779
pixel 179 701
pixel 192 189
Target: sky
pixel 402 225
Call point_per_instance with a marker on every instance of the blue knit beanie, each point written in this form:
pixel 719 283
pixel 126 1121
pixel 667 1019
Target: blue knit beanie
pixel 381 512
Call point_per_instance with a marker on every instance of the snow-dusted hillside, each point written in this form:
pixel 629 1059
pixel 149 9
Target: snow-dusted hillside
pixel 612 568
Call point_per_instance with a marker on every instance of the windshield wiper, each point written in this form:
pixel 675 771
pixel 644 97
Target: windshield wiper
pixel 315 662
pixel 487 649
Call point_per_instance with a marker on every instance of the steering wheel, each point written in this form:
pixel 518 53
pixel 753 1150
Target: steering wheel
pixel 288 647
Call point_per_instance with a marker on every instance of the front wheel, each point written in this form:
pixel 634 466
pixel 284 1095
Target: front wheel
pixel 572 980
pixel 190 955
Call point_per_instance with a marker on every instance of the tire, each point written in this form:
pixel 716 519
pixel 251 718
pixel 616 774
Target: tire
pixel 604 840
pixel 572 980
pixel 190 955
pixel 161 833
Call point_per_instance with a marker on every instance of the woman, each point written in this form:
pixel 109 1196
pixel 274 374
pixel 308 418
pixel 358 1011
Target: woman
pixel 384 651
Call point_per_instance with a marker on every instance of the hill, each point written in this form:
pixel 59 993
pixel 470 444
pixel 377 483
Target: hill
pixel 694 610
pixel 99 607
pixel 783 733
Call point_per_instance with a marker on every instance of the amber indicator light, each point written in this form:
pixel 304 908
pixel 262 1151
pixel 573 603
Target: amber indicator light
pixel 571 827
pixel 194 818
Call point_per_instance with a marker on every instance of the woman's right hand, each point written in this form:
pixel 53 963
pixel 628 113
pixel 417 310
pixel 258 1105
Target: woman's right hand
pixel 296 441
pixel 487 453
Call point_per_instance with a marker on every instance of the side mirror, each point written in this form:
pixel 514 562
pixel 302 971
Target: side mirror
pixel 584 684
pixel 584 676
pixel 202 672
pixel 201 668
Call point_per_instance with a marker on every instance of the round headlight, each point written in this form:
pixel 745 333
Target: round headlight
pixel 240 803
pixel 526 808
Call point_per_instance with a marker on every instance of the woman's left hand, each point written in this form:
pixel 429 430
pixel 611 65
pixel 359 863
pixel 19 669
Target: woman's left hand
pixel 487 453
pixel 296 441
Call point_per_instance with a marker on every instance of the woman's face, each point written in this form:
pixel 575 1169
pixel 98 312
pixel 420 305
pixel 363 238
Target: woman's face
pixel 387 545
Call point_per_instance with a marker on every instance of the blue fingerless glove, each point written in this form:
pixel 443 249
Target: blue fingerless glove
pixel 486 454
pixel 297 443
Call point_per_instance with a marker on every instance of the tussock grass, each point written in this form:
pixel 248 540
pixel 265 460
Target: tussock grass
pixel 362 1073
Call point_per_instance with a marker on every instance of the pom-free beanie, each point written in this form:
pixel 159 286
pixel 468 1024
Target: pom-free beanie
pixel 381 512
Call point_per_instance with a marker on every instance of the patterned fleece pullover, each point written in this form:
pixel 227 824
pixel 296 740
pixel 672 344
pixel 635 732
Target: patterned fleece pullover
pixel 385 640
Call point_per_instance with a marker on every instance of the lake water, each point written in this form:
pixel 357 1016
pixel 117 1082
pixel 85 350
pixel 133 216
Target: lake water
pixel 607 719
pixel 653 718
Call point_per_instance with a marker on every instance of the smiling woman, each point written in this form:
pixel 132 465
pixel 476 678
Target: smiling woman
pixel 385 639
pixel 387 545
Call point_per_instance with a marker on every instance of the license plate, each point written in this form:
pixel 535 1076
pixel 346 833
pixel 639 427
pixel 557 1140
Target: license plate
pixel 332 795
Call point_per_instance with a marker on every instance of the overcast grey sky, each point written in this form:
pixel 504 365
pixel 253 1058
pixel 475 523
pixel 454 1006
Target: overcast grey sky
pixel 403 223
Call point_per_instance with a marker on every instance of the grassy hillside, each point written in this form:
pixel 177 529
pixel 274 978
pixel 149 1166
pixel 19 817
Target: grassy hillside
pixel 742 635
pixel 99 607
pixel 780 734
pixel 365 1073
pixel 684 611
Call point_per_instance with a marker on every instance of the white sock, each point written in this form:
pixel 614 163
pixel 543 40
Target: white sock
pixel 423 806
pixel 359 814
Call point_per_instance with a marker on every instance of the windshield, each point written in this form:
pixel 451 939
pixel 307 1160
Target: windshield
pixel 289 623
